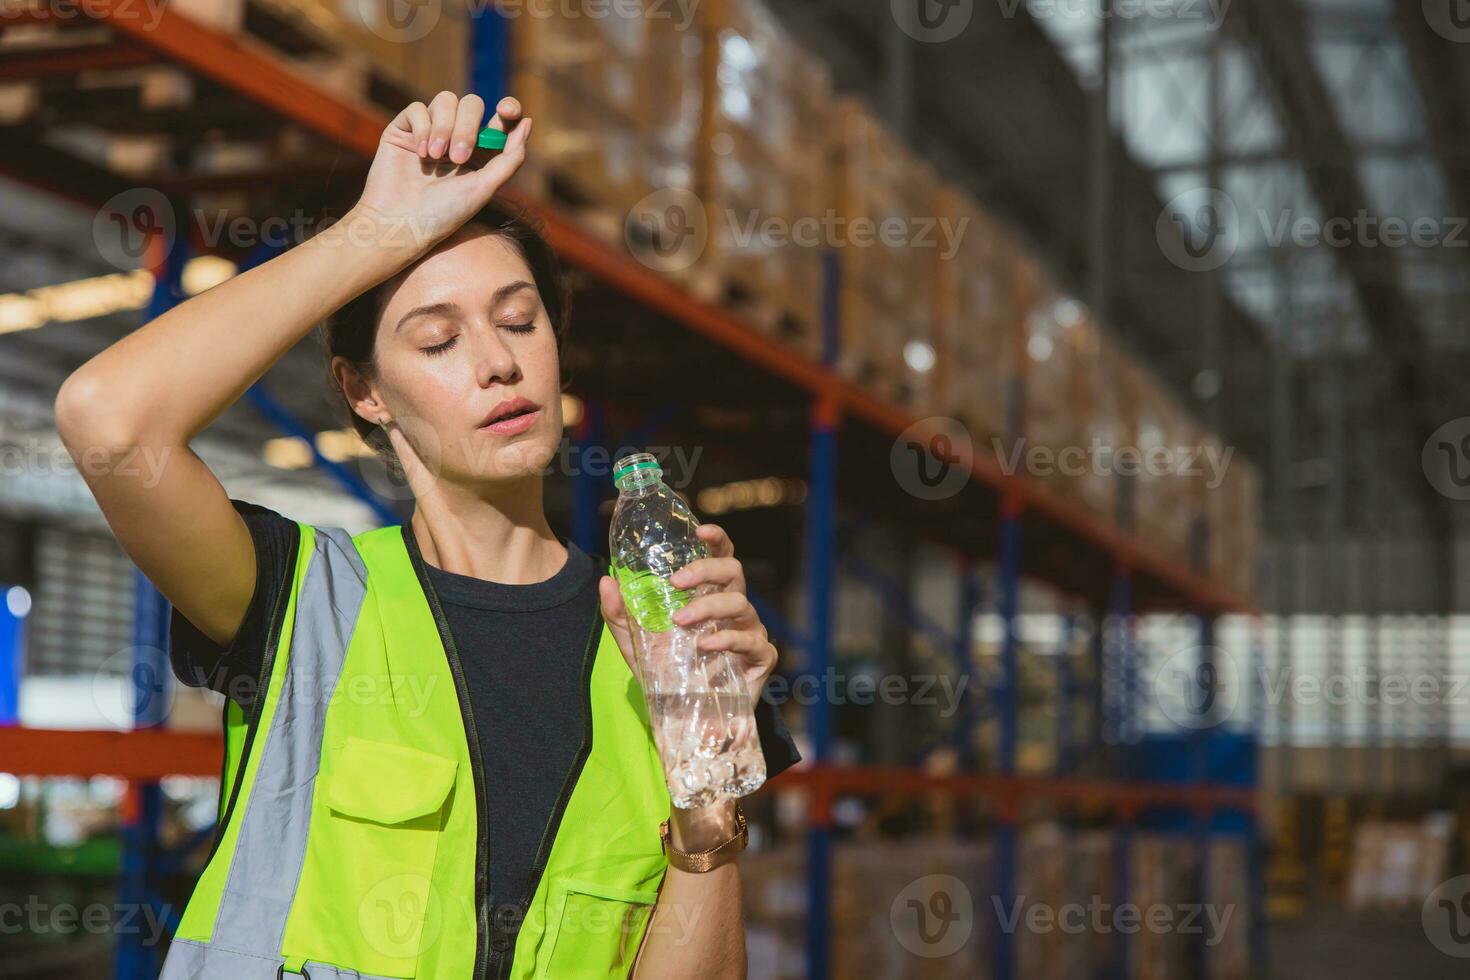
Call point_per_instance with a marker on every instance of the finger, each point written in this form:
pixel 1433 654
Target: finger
pixel 731 607
pixel 726 573
pixel 507 114
pixel 720 545
pixel 410 128
pixel 754 650
pixel 613 608
pixel 504 165
pixel 442 111
pixel 467 118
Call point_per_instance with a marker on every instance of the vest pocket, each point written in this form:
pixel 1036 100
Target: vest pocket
pixel 595 929
pixel 384 805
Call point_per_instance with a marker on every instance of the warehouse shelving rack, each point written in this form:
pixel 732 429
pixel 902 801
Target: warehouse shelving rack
pixel 1091 550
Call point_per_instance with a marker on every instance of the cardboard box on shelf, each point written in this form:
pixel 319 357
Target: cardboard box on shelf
pixel 1060 341
pixel 884 199
pixel 1234 515
pixel 977 292
pixel 758 171
pixel 414 60
pixel 1161 871
pixel 615 95
pixel 1228 916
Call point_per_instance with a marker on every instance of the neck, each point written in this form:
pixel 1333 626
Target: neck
pixel 497 532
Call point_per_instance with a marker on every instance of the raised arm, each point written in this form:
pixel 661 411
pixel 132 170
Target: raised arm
pixel 144 398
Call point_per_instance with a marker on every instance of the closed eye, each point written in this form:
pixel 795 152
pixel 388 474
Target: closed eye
pixel 443 348
pixel 520 327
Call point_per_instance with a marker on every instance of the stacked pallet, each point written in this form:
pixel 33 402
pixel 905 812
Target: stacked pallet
pixel 977 297
pixel 1234 513
pixel 872 919
pixel 884 196
pixel 1230 912
pixel 758 170
pixel 355 51
pixel 1061 341
pixel 586 71
pixel 1161 885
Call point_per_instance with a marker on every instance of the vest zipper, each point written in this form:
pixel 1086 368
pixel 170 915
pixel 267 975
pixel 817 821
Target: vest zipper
pixel 477 762
pixel 257 706
pixel 553 823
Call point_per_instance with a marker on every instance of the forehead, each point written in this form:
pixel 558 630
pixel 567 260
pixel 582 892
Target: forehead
pixel 466 269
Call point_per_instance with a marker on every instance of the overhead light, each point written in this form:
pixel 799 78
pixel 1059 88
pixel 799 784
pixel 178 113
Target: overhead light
pixel 288 453
pixel 118 292
pixel 205 272
pixel 749 494
pixel 919 356
pixel 18 601
pixel 336 445
pixel 571 410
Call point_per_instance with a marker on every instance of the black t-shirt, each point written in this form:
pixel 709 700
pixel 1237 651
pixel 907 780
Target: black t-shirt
pixel 522 649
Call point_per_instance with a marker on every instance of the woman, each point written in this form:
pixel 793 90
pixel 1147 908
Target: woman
pixel 438 763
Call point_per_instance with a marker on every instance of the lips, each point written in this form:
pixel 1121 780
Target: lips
pixel 511 416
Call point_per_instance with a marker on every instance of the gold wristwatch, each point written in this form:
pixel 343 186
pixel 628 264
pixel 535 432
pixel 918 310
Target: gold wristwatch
pixel 702 861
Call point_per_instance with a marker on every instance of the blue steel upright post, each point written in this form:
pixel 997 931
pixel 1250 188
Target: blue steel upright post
pixel 821 548
pixel 490 54
pixel 969 602
pixel 12 643
pixel 1006 697
pixel 1125 733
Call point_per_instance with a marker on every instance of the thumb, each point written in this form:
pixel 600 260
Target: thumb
pixel 503 166
pixel 613 608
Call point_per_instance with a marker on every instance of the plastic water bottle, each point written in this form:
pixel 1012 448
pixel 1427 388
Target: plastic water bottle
pixel 699 702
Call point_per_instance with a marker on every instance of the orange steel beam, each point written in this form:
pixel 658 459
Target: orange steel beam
pixel 71 60
pixel 1127 797
pixel 262 77
pixel 145 754
pixel 151 754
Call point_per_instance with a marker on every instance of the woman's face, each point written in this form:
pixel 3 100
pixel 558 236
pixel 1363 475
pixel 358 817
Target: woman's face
pixel 467 363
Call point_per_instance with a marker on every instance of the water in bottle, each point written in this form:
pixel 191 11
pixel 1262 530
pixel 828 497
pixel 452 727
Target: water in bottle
pixel 699 702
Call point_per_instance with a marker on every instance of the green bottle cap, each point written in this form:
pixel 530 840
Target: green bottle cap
pixel 642 464
pixel 491 139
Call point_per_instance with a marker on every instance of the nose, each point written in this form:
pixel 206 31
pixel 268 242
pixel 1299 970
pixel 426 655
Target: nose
pixel 496 362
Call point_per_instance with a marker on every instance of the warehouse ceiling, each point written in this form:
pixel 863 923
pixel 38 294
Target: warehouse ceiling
pixel 1324 108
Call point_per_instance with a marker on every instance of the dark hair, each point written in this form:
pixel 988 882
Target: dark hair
pixel 352 331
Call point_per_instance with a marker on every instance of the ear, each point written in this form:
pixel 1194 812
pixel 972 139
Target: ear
pixel 362 394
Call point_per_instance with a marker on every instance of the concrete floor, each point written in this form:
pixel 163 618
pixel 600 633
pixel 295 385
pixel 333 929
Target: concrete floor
pixel 1341 945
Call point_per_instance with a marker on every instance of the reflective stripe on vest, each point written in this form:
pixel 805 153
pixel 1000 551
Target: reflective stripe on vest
pixel 348 843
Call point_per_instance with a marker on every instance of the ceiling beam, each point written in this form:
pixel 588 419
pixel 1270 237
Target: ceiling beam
pixel 1280 33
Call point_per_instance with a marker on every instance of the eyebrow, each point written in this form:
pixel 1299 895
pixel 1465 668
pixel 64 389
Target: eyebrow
pixel 436 309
